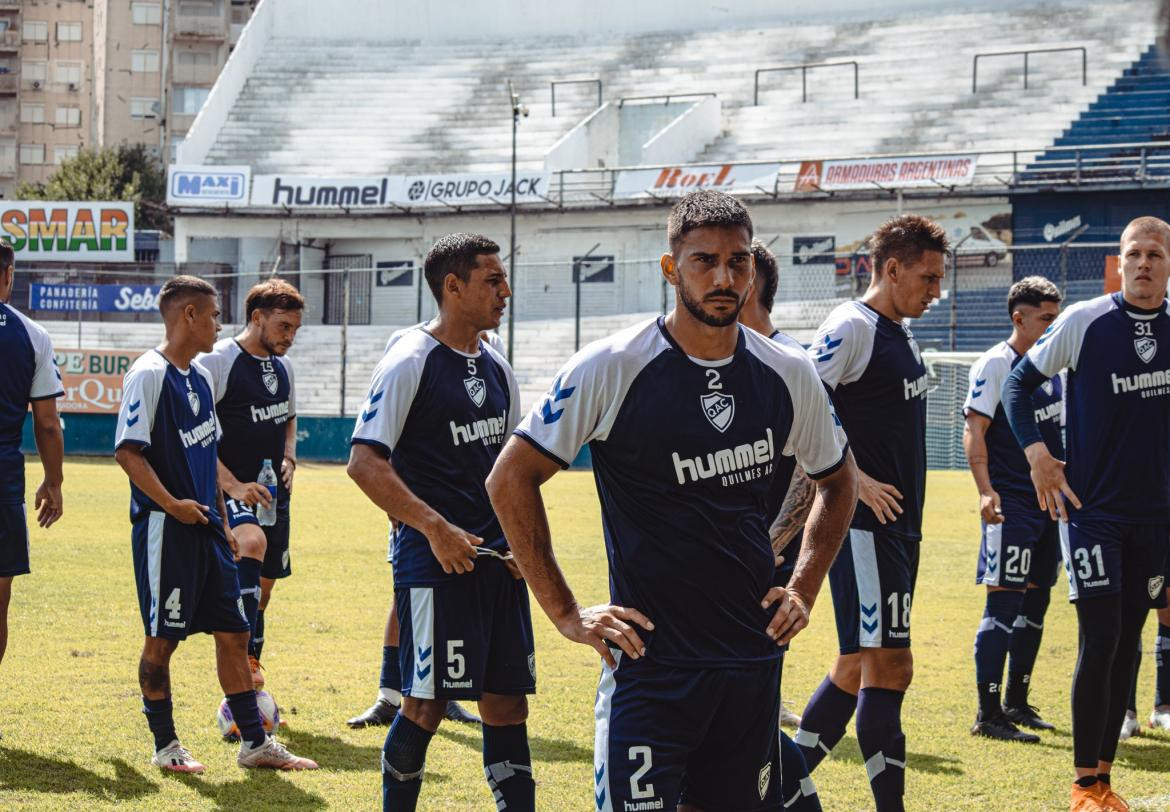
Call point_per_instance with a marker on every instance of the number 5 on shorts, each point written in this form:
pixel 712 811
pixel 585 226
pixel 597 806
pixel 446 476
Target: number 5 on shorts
pixel 456 664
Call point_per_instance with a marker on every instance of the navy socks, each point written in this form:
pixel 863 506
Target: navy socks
pixel 507 766
pixel 390 681
pixel 249 573
pixel 883 745
pixel 247 717
pixel 1027 632
pixel 991 648
pixel 160 720
pixel 403 757
pixel 823 722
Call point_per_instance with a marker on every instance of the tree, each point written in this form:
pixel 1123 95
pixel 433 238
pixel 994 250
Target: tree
pixel 128 172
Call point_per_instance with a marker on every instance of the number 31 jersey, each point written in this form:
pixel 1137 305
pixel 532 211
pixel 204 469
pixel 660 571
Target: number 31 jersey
pixel 684 453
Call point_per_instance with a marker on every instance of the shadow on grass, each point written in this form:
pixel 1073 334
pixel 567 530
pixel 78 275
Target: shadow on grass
pixel 1150 759
pixel 331 752
pixel 32 772
pixel 847 750
pixel 257 789
pixel 555 750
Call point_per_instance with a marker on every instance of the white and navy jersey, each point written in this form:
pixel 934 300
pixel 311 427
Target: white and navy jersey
pixel 1006 463
pixel 1117 402
pixel 441 416
pixel 492 338
pixel 170 414
pixel 787 465
pixel 684 454
pixel 254 400
pixel 27 373
pixel 874 369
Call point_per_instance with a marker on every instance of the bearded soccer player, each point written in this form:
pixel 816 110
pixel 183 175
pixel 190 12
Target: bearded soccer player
pixel 183 549
pixel 255 400
pixel 867 356
pixel 690 419
pixel 1111 494
pixel 1020 551
pixel 440 406
pixel 28 375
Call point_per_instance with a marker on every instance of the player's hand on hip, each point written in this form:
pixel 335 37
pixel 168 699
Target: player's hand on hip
pixel 48 504
pixel 791 614
pixel 879 497
pixel 250 493
pixel 188 511
pixel 1052 488
pixel 453 547
pixel 598 625
pixel 989 508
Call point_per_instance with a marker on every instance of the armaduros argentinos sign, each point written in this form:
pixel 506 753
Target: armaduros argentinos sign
pixel 64 231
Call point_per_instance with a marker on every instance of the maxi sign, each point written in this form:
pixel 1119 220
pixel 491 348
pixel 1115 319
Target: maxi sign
pixel 92 379
pixel 71 298
pixel 208 186
pixel 93 232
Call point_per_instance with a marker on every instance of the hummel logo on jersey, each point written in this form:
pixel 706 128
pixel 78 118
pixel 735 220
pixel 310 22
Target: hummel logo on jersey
pixel 1049 412
pixel 727 462
pixel 914 389
pixel 202 434
pixel 826 352
pixel 277 412
pixel 547 413
pixel 977 391
pixel 720 409
pixel 490 431
pixel 1150 384
pixel 476 390
pixel 1146 347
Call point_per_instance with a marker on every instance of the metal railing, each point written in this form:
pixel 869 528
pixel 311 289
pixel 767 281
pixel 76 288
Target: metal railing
pixel 666 97
pixel 553 90
pixel 804 69
pixel 1026 54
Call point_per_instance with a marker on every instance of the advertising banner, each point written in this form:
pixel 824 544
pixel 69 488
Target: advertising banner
pixel 889 173
pixel 675 181
pixel 208 186
pixel 309 192
pixel 71 298
pixel 86 232
pixel 92 379
pixel 474 187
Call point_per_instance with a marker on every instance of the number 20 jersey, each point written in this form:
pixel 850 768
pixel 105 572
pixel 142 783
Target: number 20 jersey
pixel 684 455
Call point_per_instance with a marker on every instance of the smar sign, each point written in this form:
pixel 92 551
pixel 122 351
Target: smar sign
pixel 63 231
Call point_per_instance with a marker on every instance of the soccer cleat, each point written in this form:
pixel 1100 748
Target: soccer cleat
pixel 380 713
pixel 175 758
pixel 272 755
pixel 1001 728
pixel 257 673
pixel 787 717
pixel 1086 799
pixel 1160 719
pixel 456 713
pixel 1110 800
pixel 1027 716
pixel 1130 727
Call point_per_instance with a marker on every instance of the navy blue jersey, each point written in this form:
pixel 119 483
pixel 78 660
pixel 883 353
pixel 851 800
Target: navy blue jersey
pixel 27 373
pixel 878 381
pixel 1006 463
pixel 170 414
pixel 254 400
pixel 1117 406
pixel 441 416
pixel 685 453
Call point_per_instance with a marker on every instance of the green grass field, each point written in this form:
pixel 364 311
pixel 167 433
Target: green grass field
pixel 74 736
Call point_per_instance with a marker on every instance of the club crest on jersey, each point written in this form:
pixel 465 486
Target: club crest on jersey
pixel 764 780
pixel 1047 387
pixel 270 382
pixel 914 349
pixel 476 390
pixel 1155 586
pixel 1146 347
pixel 192 399
pixel 720 409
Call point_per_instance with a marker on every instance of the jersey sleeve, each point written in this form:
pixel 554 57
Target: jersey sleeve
pixel 986 382
pixel 218 365
pixel 1060 345
pixel 817 438
pixel 839 351
pixel 579 407
pixel 393 387
pixel 141 388
pixel 46 382
pixel 202 369
pixel 292 388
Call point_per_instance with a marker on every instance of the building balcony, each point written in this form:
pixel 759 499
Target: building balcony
pixel 9 40
pixel 201 27
pixel 9 83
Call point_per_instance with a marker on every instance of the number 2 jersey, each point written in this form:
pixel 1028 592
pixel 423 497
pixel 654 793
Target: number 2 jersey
pixel 684 455
pixel 441 416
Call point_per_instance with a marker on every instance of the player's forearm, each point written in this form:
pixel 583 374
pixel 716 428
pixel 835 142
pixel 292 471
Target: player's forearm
pixel 290 441
pixel 50 442
pixel 144 477
pixel 227 480
pixel 793 512
pixel 378 480
pixel 828 522
pixel 1017 402
pixel 975 447
pixel 219 502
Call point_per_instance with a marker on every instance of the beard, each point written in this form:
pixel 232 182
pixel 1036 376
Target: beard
pixel 695 307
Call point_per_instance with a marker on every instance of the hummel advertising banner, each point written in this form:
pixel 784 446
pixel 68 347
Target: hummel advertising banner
pixel 888 173
pixel 65 231
pixel 214 187
pixel 396 191
pixel 675 181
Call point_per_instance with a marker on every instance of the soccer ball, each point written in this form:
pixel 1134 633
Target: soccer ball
pixel 269 716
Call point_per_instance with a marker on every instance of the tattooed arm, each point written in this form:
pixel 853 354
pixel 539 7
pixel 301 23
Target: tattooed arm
pixel 794 511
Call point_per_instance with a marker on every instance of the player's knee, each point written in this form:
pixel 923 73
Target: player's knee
pixel 891 668
pixel 499 710
pixel 159 649
pixel 253 543
pixel 426 713
pixel 232 642
pixel 846 672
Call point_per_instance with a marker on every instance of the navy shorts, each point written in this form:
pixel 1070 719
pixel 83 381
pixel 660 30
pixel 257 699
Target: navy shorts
pixel 707 737
pixel 187 579
pixel 1024 549
pixel 13 541
pixel 277 563
pixel 467 636
pixel 872 581
pixel 1110 558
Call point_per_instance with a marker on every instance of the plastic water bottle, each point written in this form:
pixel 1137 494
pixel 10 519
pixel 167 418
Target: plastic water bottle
pixel 267 515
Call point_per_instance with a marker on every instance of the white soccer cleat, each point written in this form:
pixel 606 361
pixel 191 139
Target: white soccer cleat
pixel 787 717
pixel 1160 719
pixel 1130 727
pixel 177 759
pixel 274 756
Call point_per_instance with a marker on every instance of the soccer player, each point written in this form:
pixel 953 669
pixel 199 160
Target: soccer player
pixel 440 406
pixel 1020 551
pixel 868 358
pixel 255 401
pixel 690 418
pixel 183 549
pixel 1111 496
pixel 28 375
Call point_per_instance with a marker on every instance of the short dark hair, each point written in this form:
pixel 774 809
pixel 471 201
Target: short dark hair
pixel 1034 291
pixel 455 254
pixel 179 288
pixel 905 239
pixel 273 294
pixel 705 207
pixel 767 274
pixel 1148 225
pixel 7 255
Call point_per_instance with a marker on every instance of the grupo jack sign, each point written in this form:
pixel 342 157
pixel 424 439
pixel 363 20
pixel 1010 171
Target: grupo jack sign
pixel 94 232
pixel 92 379
pixel 675 181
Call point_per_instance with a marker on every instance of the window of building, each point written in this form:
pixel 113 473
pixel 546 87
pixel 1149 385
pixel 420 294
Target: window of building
pixel 32 113
pixel 144 61
pixel 63 154
pixel 35 31
pixel 188 100
pixel 191 59
pixel 67 116
pixel 198 8
pixel 32 153
pixel 67 73
pixel 143 107
pixel 33 70
pixel 176 142
pixel 146 13
pixel 69 32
